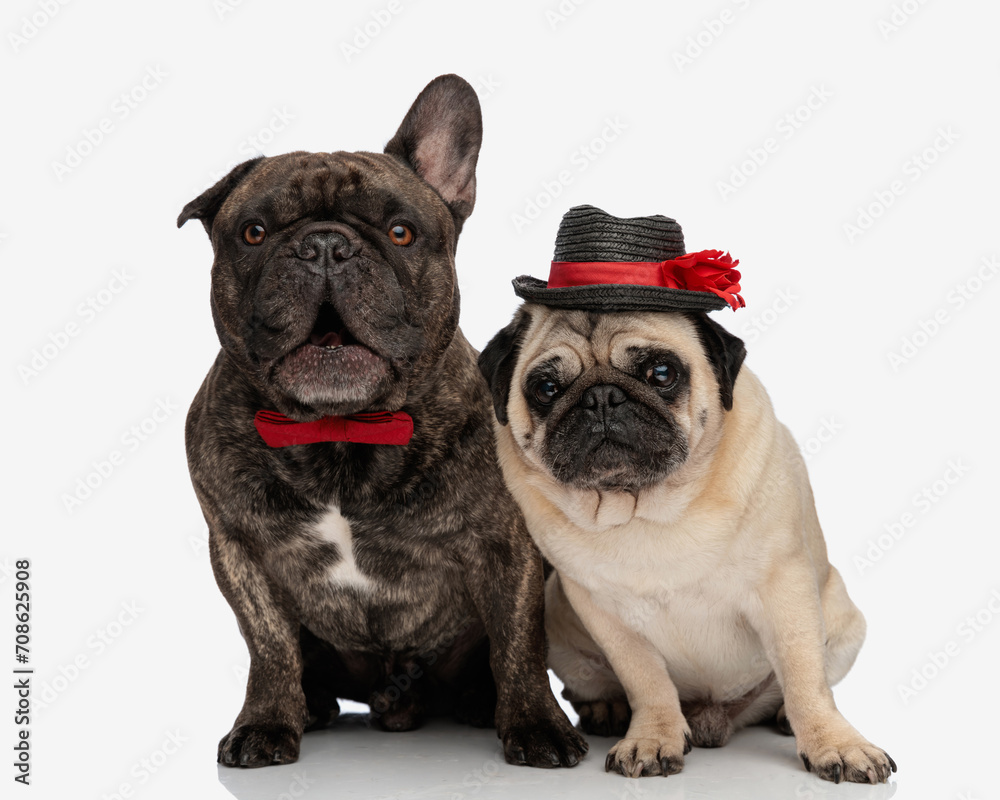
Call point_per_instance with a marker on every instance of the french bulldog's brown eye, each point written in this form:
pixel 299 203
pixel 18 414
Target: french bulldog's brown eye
pixel 254 233
pixel 400 235
pixel 545 392
pixel 662 376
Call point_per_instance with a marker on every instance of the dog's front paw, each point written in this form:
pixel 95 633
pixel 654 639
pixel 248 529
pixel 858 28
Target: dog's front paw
pixel 547 743
pixel 404 713
pixel 636 757
pixel 846 756
pixel 259 746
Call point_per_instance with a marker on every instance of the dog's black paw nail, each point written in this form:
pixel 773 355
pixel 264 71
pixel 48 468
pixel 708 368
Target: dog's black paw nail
pixel 609 763
pixel 687 743
pixel 805 761
pixel 838 773
pixel 544 743
pixel 892 763
pixel 259 746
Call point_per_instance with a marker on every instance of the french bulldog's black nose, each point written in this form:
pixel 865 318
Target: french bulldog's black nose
pixel 329 247
pixel 601 397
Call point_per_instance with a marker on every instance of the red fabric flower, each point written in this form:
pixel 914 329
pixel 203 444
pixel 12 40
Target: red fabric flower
pixel 705 271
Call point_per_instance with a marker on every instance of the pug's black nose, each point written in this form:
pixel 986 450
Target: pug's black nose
pixel 328 247
pixel 602 396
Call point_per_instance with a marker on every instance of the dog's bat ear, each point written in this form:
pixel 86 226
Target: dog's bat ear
pixel 725 352
pixel 206 205
pixel 498 359
pixel 440 139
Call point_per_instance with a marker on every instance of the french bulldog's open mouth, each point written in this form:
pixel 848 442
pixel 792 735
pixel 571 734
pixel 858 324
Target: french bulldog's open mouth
pixel 330 331
pixel 331 366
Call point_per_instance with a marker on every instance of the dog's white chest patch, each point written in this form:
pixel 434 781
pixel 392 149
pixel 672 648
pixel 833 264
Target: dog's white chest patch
pixel 334 528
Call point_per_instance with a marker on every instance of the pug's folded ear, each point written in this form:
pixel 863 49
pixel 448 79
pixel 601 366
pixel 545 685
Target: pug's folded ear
pixel 725 353
pixel 206 205
pixel 499 358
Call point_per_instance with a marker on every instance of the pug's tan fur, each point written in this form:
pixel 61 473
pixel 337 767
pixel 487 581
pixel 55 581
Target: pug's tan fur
pixel 709 590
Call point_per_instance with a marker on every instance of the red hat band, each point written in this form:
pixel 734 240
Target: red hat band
pixel 705 271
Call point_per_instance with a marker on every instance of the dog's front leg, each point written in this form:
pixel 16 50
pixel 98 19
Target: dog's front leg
pixel 789 621
pixel 269 728
pixel 658 737
pixel 533 728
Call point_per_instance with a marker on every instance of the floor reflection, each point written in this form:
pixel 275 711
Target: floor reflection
pixel 446 760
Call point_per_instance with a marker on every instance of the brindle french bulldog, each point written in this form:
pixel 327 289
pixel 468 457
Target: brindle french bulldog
pixel 398 575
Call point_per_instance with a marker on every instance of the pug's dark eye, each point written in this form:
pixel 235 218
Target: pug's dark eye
pixel 254 233
pixel 662 376
pixel 400 235
pixel 545 392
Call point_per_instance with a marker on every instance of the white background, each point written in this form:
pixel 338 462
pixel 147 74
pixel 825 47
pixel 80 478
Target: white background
pixel 826 309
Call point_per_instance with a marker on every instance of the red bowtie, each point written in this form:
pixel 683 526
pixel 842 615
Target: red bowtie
pixel 379 427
